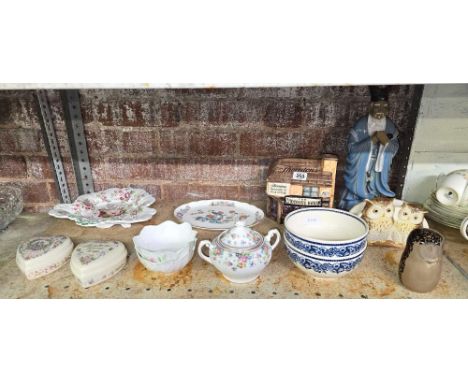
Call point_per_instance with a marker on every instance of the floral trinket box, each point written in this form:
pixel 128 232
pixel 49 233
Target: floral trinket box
pixel 96 261
pixel 42 255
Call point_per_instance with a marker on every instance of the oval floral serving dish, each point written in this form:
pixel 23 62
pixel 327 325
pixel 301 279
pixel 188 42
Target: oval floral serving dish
pixel 106 208
pixel 218 214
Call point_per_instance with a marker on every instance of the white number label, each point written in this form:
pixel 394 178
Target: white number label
pixel 297 175
pixel 313 220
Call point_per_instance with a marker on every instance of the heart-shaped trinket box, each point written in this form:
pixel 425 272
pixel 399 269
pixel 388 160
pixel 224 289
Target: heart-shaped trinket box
pixel 98 260
pixel 42 255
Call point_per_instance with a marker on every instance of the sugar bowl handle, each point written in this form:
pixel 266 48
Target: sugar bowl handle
pixel 202 244
pixel 270 234
pixel 464 228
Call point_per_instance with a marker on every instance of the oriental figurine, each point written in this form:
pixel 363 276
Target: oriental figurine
pixel 372 144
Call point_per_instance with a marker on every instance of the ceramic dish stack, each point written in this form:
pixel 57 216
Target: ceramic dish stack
pixel 42 255
pixel 451 216
pixel 325 242
pixel 167 247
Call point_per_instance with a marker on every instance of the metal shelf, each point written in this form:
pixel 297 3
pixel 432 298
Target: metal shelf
pixel 376 277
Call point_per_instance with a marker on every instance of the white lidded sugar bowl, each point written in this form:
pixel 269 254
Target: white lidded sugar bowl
pixel 240 253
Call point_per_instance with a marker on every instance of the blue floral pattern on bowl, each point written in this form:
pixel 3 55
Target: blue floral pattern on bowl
pixel 326 250
pixel 322 267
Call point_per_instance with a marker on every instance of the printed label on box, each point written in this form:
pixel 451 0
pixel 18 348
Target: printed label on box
pixel 278 189
pixel 304 201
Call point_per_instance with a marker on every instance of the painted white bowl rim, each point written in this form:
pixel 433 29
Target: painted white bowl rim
pixel 345 217
pixel 167 235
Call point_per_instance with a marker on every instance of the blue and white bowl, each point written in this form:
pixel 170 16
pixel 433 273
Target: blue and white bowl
pixel 327 251
pixel 325 241
pixel 323 267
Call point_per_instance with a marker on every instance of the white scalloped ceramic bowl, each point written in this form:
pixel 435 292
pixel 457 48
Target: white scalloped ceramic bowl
pixel 167 261
pixel 166 247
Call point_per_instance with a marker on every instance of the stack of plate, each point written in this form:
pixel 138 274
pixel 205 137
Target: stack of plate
pixel 451 216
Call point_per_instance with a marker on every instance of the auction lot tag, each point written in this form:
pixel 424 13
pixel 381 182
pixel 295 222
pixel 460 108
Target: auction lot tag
pixel 299 175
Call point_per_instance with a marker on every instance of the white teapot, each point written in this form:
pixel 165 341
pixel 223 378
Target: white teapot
pixel 240 253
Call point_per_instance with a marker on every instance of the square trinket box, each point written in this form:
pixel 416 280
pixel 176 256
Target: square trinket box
pixel 96 261
pixel 42 255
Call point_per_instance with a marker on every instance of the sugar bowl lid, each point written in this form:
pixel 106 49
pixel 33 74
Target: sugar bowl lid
pixel 241 237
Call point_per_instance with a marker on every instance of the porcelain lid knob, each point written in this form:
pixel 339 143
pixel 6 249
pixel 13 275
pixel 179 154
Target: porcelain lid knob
pixel 241 236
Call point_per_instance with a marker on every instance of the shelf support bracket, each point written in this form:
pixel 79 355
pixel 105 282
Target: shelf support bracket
pixel 50 140
pixel 76 138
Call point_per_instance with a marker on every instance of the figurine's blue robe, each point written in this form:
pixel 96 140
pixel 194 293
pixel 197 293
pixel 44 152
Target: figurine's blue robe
pixel 362 154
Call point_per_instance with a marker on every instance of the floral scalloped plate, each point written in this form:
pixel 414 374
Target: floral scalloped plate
pixel 106 208
pixel 218 214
